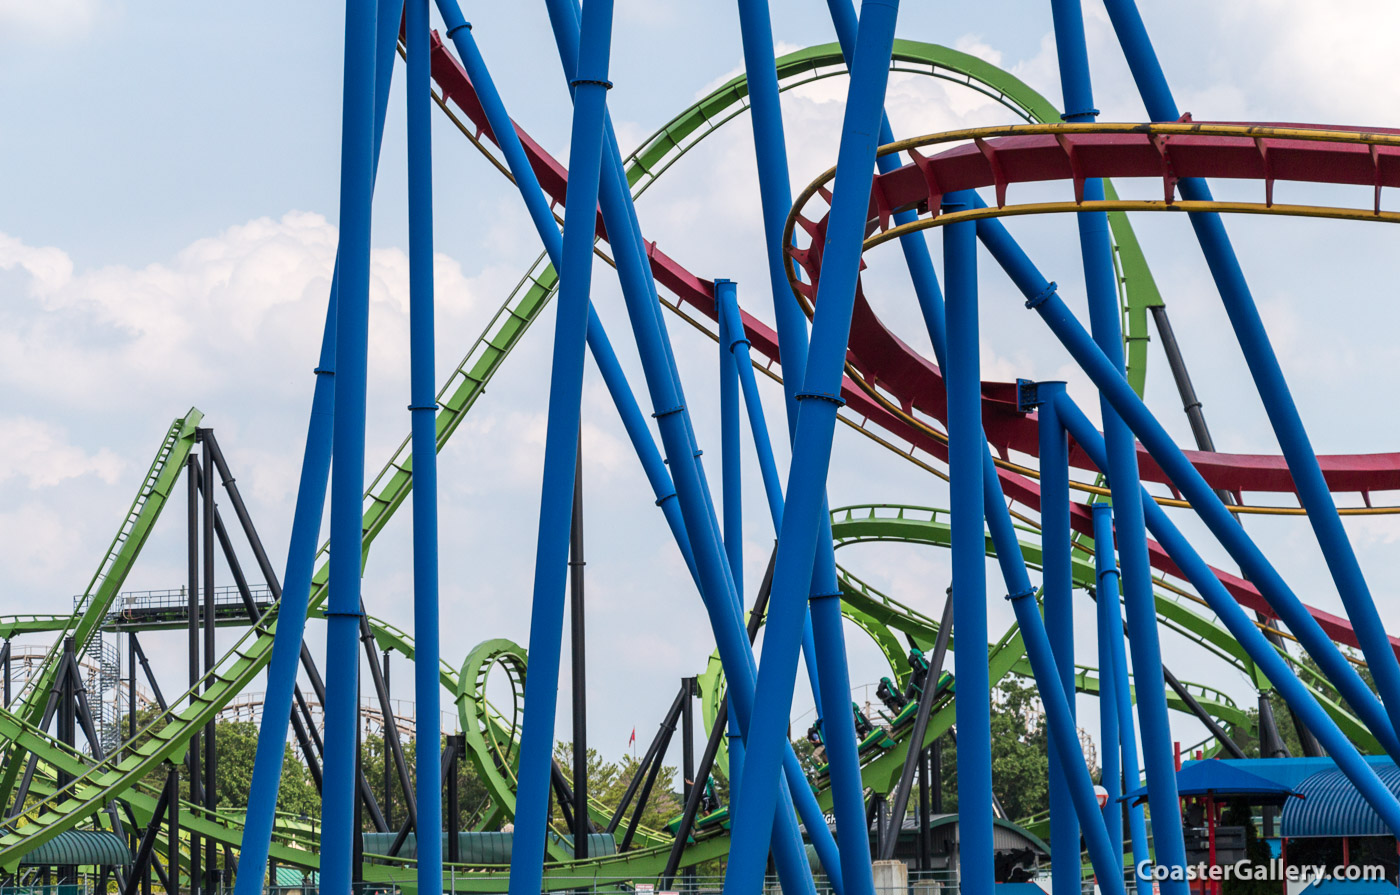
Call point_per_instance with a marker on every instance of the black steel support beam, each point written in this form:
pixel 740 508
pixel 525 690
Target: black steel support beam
pixel 900 798
pixel 578 654
pixel 318 686
pixel 193 757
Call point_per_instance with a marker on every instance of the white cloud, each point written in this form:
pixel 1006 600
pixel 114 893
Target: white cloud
pixel 49 18
pixel 243 308
pixel 39 453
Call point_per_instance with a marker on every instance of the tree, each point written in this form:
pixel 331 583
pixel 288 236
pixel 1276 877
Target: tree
pixel 237 743
pixel 472 795
pixel 607 782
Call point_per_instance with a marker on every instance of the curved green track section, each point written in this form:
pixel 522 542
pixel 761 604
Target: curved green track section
pixel 492 730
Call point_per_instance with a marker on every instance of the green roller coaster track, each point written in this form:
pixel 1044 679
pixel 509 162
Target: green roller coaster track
pixel 492 733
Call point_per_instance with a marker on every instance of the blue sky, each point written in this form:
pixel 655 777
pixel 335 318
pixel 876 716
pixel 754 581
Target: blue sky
pixel 167 229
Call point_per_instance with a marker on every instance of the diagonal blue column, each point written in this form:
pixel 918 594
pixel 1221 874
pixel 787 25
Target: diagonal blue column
pixel 1270 661
pixel 678 439
pixel 735 355
pixel 538 207
pixel 561 444
pixel 775 194
pixel 1204 501
pixel 1264 368
pixel 731 485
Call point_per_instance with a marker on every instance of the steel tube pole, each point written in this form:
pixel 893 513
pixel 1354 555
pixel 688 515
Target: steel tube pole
pixel 210 623
pixel 731 494
pixel 578 641
pixel 900 799
pixel 357 163
pixel 731 484
pixel 427 689
pixel 1137 820
pixel 1057 579
pixel 561 442
pixel 741 361
pixel 193 760
pixel 965 449
pixel 1110 628
pixel 539 209
pixel 1061 726
pixel 301 553
pixel 172 828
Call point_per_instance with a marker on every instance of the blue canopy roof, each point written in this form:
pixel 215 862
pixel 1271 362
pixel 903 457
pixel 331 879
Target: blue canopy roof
pixel 1332 806
pixel 1217 778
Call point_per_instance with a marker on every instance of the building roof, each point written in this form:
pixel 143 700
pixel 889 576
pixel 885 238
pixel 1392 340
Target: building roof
pixel 1223 779
pixel 1332 806
pixel 1293 771
pixel 82 847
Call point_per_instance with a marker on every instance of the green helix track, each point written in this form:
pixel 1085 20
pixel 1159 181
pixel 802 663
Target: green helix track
pixel 492 734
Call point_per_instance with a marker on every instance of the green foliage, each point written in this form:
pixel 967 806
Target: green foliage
pixel 237 744
pixel 1020 762
pixel 472 796
pixel 607 782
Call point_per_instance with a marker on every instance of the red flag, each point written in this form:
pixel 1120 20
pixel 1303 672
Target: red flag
pixel 633 738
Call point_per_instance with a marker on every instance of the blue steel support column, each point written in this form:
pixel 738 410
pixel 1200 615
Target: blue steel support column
pixel 804 513
pixel 731 495
pixel 731 487
pixel 1040 296
pixel 913 245
pixel 1236 620
pixel 691 499
pixel 1137 820
pixel 423 413
pixel 561 444
pixel 1057 578
pixel 348 448
pixel 774 188
pixel 1264 367
pixel 1101 287
pixel 1110 629
pixel 742 361
pixel 734 343
pixel 1061 728
pixel 966 445
pixel 301 551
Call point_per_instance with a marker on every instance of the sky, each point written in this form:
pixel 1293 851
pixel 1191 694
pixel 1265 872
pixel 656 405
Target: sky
pixel 168 228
